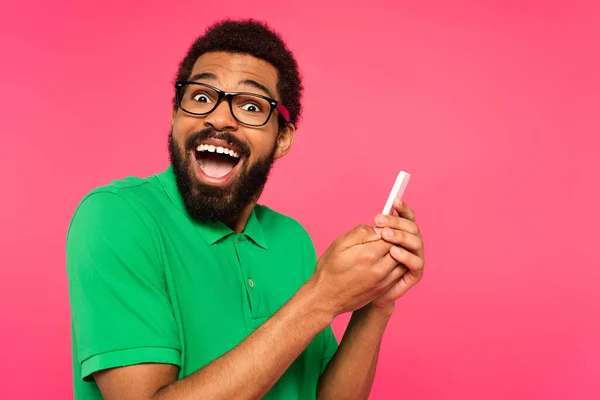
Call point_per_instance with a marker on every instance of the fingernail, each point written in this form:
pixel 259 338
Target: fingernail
pixel 398 202
pixel 396 251
pixel 381 220
pixel 388 233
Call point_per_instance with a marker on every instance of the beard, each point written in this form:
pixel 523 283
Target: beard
pixel 206 203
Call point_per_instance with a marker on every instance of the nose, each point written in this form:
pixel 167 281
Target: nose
pixel 221 118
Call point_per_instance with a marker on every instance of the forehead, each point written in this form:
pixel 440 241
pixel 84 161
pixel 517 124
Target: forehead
pixel 231 69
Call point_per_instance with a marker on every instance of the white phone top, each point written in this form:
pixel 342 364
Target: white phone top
pixel 397 191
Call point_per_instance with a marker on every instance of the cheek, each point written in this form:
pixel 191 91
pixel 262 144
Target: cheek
pixel 261 148
pixel 179 139
pixel 262 142
pixel 181 128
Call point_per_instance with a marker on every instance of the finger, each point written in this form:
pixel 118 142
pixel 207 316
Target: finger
pixel 358 235
pixel 405 282
pixel 386 265
pixel 388 270
pixel 394 275
pixel 394 222
pixel 407 240
pixel 403 210
pixel 414 263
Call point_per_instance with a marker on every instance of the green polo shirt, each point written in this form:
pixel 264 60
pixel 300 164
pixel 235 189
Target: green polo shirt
pixel 148 284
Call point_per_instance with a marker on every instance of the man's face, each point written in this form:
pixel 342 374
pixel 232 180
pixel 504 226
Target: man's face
pixel 221 165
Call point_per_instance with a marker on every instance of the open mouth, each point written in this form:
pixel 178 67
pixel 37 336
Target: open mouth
pixel 216 162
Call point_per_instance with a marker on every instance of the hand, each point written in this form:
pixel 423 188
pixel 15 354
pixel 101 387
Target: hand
pixel 403 232
pixel 354 270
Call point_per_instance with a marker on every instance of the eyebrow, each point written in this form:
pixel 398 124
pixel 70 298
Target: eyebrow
pixel 248 82
pixel 204 75
pixel 259 86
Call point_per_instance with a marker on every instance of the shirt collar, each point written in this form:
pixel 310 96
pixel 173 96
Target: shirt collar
pixel 211 231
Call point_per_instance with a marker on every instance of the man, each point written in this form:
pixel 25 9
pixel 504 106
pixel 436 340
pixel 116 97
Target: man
pixel 182 287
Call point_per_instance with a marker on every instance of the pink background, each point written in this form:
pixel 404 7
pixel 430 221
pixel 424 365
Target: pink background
pixel 492 106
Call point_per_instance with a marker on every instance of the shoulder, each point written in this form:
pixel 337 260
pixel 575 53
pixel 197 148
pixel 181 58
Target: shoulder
pixel 115 209
pixel 123 195
pixel 109 227
pixel 131 189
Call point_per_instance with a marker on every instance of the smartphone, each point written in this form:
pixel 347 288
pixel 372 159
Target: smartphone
pixel 397 191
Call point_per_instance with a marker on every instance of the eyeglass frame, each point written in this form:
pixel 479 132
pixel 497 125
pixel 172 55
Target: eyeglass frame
pixel 275 105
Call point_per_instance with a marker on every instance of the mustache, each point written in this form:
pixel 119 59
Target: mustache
pixel 192 141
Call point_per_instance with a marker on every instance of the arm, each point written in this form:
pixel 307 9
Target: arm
pixel 124 329
pixel 248 371
pixel 349 374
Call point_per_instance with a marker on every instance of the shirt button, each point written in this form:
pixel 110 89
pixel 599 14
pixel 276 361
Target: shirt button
pixel 251 283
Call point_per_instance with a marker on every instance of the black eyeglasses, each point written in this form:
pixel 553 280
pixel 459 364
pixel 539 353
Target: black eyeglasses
pixel 247 108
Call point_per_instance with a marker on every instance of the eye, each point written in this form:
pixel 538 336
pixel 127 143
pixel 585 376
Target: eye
pixel 251 107
pixel 201 97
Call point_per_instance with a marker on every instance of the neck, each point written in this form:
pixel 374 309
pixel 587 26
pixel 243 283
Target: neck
pixel 238 224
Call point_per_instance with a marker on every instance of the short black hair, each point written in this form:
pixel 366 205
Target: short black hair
pixel 257 39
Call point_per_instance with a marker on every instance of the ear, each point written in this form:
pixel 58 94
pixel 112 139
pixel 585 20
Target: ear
pixel 173 116
pixel 285 138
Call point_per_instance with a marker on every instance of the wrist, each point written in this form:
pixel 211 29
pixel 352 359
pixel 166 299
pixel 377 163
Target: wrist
pixel 381 311
pixel 371 317
pixel 314 303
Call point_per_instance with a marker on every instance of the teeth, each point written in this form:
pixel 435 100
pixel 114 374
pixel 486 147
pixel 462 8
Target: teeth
pixel 220 150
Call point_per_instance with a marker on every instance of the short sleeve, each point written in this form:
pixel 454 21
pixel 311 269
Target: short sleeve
pixel 120 308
